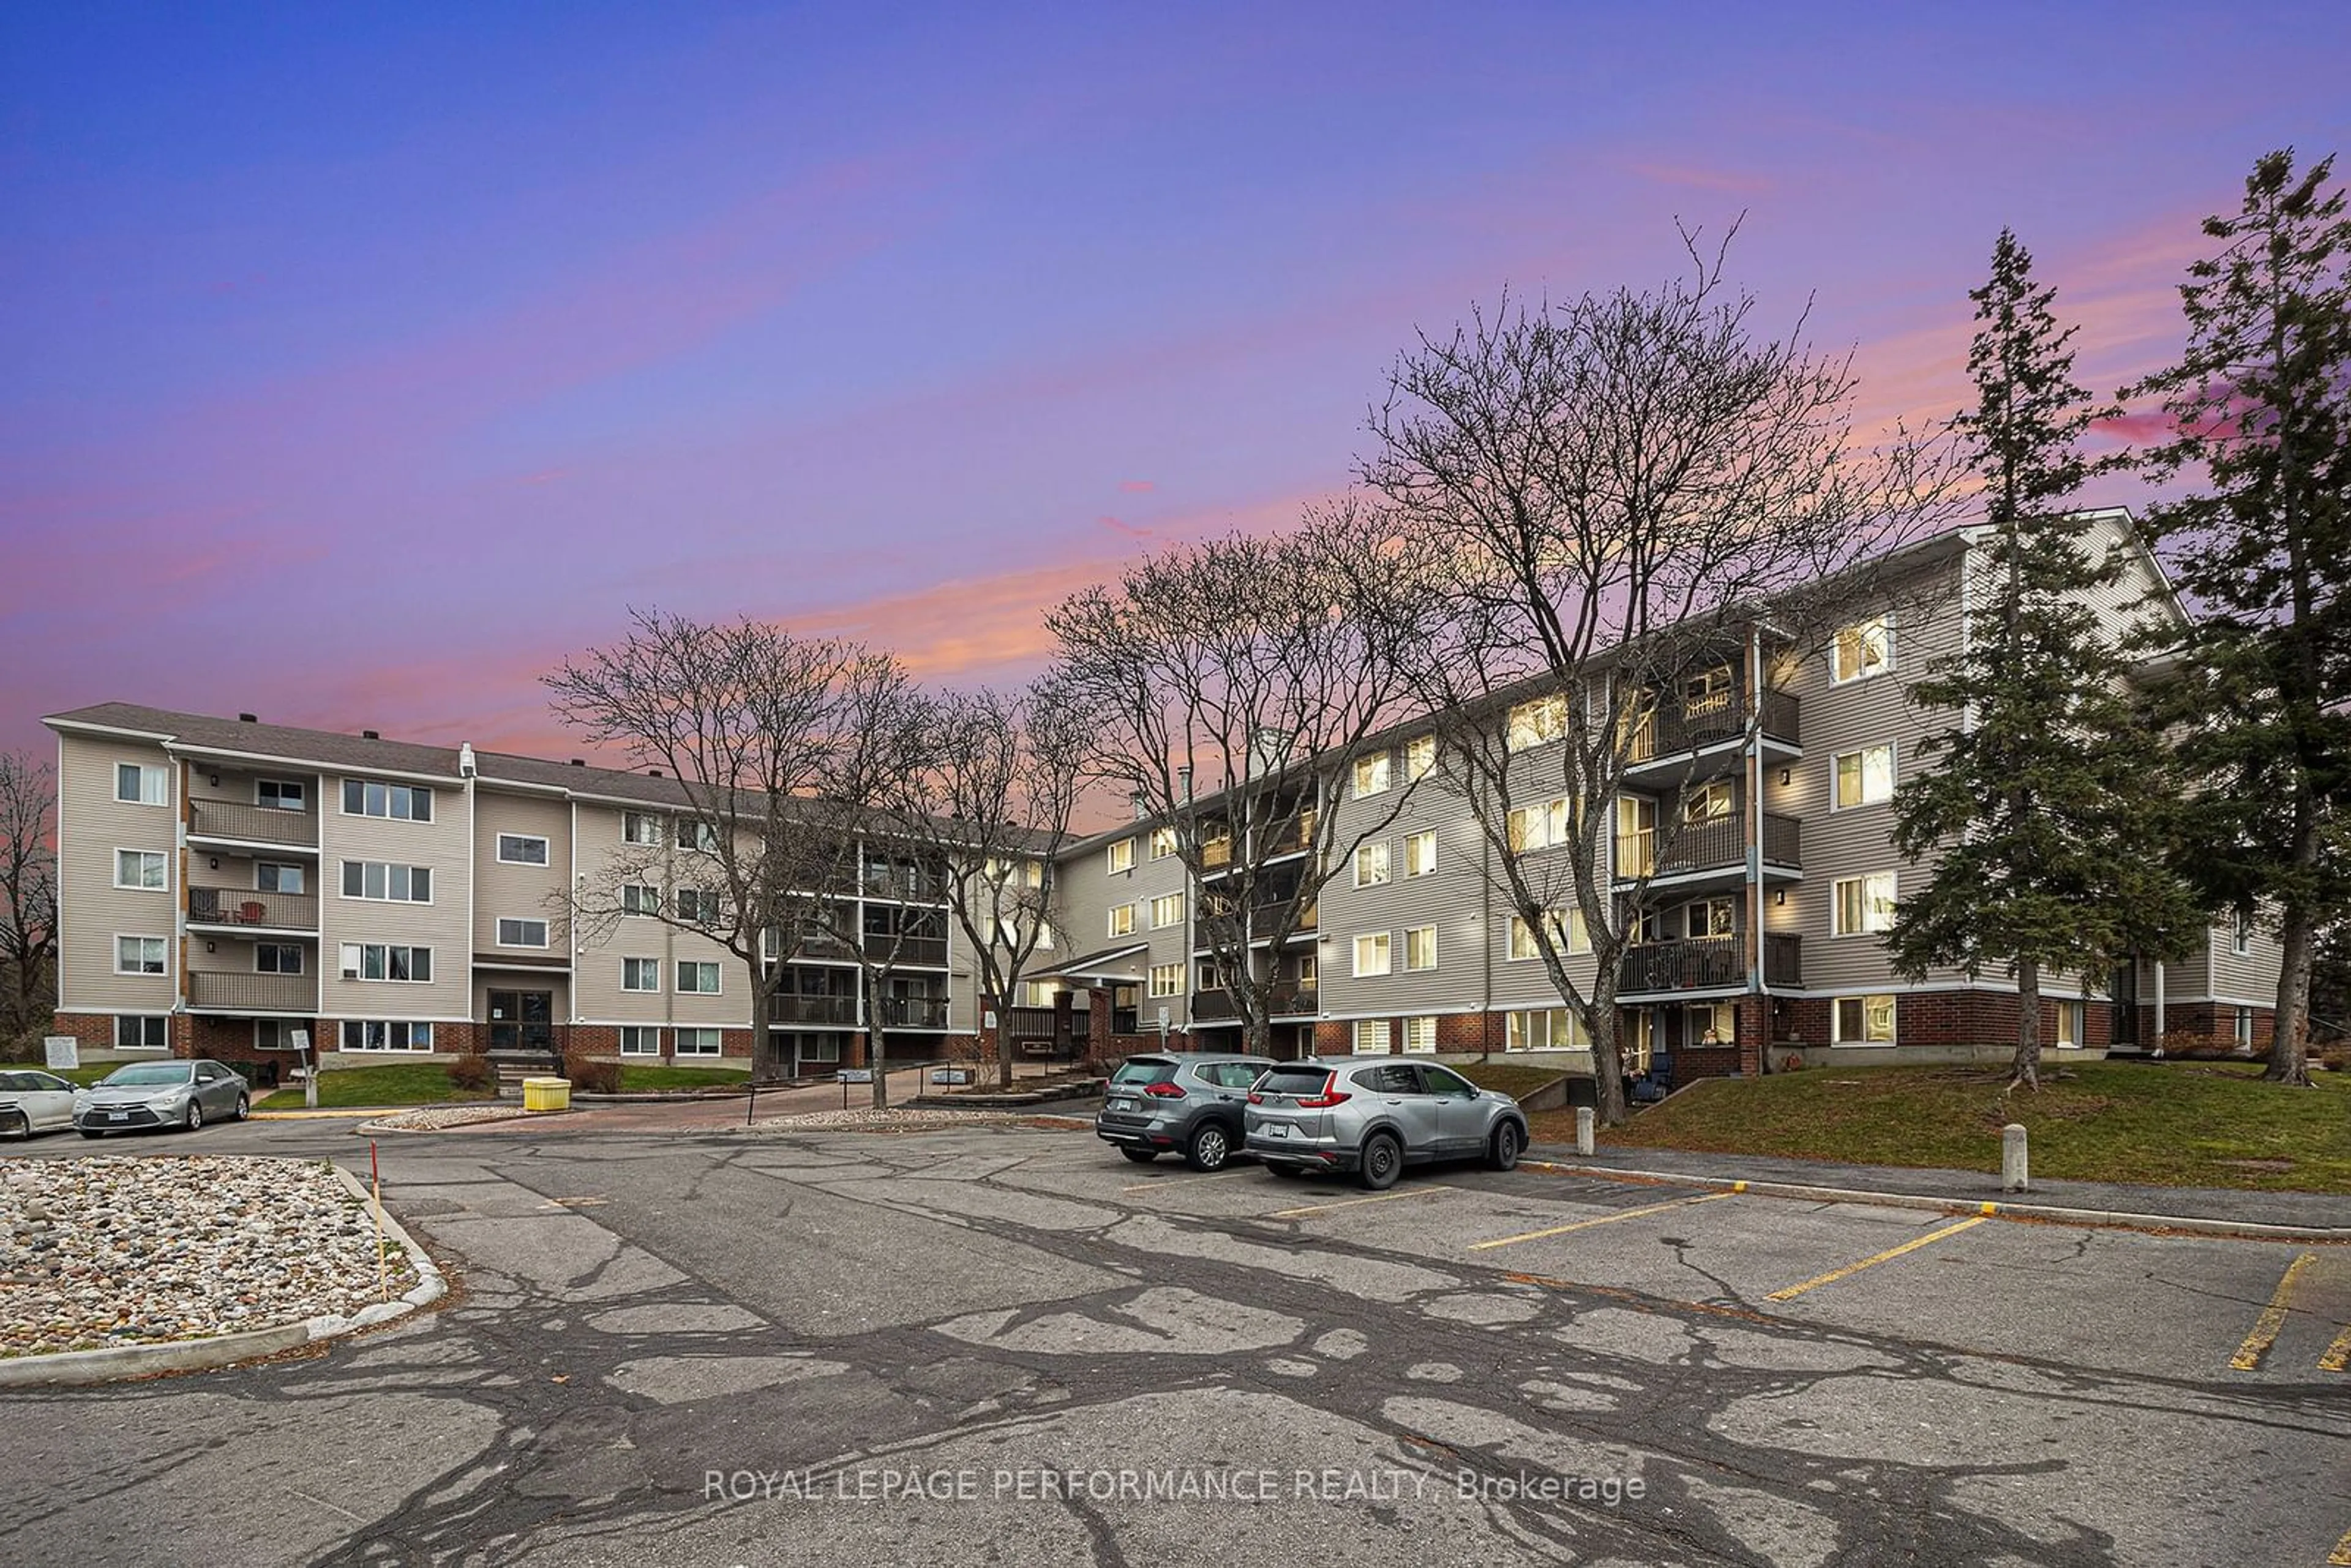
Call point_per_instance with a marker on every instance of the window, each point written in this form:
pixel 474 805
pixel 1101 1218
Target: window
pixel 1545 1028
pixel 522 849
pixel 139 785
pixel 278 959
pixel 1039 993
pixel 1420 948
pixel 138 868
pixel 139 954
pixel 640 828
pixel 1420 1036
pixel 1568 932
pixel 1862 650
pixel 698 905
pixel 522 933
pixel 1166 979
pixel 1372 774
pixel 1167 910
pixel 641 974
pixel 1865 904
pixel 2245 1030
pixel 1121 855
pixel 1710 803
pixel 149 1032
pixel 1420 852
pixel 1163 842
pixel 2069 1025
pixel 1374 1038
pixel 402 802
pixel 1309 966
pixel 1004 873
pixel 1534 722
pixel 274 1034
pixel 1209 978
pixel 2241 935
pixel 1372 952
pixel 698 836
pixel 1709 692
pixel 1121 920
pixel 397 884
pixel 1711 917
pixel 698 977
pixel 637 898
pixel 1371 864
pixel 1537 827
pixel 1862 1020
pixel 386 1034
pixel 640 1040
pixel 1865 778
pixel 279 876
pixel 698 1043
pixel 1420 757
pixel 377 961
pixel 1707 1025
pixel 821 1048
pixel 281 794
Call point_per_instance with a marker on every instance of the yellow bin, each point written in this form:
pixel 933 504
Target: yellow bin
pixel 546 1094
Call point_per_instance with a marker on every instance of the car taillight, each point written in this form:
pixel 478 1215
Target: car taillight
pixel 1256 1098
pixel 1331 1095
pixel 1164 1091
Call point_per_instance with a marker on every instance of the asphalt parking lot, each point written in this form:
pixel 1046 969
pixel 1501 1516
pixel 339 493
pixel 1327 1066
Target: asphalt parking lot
pixel 1009 1345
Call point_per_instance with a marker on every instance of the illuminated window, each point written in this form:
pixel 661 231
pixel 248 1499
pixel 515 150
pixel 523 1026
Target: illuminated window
pixel 1863 649
pixel 1865 778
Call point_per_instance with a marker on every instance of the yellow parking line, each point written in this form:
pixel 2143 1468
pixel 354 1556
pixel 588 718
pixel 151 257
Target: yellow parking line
pixel 2341 1557
pixel 2338 1354
pixel 1350 1203
pixel 1187 1181
pixel 2265 1327
pixel 1834 1275
pixel 1604 1220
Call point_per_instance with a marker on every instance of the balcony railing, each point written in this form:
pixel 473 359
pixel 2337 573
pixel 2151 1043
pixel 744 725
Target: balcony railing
pixel 1280 1001
pixel 243 907
pixel 1293 836
pixel 839 1012
pixel 1718 846
pixel 885 947
pixel 1703 963
pixel 1673 729
pixel 1215 853
pixel 242 823
pixel 911 1012
pixel 254 993
pixel 905 886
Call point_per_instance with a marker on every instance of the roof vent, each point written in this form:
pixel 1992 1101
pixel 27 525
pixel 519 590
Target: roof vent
pixel 370 735
pixel 246 718
pixel 578 762
pixel 652 772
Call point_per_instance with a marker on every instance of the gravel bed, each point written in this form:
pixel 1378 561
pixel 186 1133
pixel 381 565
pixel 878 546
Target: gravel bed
pixel 116 1249
pixel 429 1118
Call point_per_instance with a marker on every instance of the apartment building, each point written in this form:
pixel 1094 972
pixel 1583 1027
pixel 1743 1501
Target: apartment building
pixel 227 888
pixel 1757 802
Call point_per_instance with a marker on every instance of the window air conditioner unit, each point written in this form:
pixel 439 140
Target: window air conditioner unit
pixel 351 974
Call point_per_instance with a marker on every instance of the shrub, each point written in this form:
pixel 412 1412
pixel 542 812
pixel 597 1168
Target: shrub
pixel 590 1076
pixel 471 1073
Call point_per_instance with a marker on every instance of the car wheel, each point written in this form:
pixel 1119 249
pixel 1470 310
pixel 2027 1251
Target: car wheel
pixel 195 1116
pixel 1382 1162
pixel 17 1122
pixel 1502 1154
pixel 1211 1148
pixel 245 1106
pixel 1141 1156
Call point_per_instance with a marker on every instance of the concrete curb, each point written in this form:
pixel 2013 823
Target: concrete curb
pixel 2106 1219
pixel 71 1368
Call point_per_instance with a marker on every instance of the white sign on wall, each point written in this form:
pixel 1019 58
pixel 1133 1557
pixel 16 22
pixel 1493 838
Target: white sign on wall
pixel 63 1051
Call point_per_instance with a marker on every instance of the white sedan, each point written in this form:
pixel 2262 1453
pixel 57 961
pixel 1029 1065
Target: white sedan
pixel 34 1103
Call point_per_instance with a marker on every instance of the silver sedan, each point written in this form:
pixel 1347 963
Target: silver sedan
pixel 160 1094
pixel 34 1103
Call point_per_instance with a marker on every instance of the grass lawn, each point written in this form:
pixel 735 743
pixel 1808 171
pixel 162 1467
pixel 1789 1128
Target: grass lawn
pixel 85 1075
pixel 1514 1079
pixel 2176 1123
pixel 394 1083
pixel 654 1079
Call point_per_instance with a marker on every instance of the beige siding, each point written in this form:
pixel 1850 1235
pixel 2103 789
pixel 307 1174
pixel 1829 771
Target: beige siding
pixel 444 925
pixel 507 889
pixel 92 825
pixel 597 990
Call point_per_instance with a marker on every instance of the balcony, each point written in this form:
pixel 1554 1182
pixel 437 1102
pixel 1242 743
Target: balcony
pixel 243 907
pixel 1698 848
pixel 1674 732
pixel 233 822
pixel 1706 963
pixel 911 1012
pixel 253 993
pixel 901 885
pixel 1284 1001
pixel 826 1011
pixel 885 947
pixel 1295 838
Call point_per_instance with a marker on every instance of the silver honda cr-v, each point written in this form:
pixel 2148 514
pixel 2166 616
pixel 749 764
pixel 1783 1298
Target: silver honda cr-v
pixel 1375 1116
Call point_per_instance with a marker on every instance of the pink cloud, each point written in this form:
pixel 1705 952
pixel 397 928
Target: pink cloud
pixel 1137 487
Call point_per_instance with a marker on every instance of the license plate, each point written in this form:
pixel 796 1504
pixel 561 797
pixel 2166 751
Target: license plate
pixel 118 1115
pixel 1122 1104
pixel 1276 1130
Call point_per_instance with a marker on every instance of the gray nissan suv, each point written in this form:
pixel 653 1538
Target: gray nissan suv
pixel 1373 1115
pixel 1183 1102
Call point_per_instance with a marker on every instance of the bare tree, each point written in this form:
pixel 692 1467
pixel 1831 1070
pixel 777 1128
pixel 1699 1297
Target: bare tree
pixel 777 743
pixel 1226 688
pixel 28 891
pixel 1638 505
pixel 992 810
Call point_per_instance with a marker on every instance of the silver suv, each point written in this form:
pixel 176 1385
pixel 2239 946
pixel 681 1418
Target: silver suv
pixel 1375 1116
pixel 1183 1102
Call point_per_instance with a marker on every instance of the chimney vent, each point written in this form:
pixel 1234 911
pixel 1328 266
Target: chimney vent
pixel 652 772
pixel 246 718
pixel 1184 783
pixel 1134 800
pixel 578 762
pixel 370 735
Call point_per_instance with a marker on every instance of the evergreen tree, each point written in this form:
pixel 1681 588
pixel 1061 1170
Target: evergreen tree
pixel 2041 810
pixel 2261 404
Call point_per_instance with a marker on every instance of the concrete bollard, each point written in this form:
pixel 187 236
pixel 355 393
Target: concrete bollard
pixel 1584 1131
pixel 2013 1174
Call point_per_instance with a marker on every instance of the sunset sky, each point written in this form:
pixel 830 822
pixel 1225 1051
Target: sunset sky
pixel 357 364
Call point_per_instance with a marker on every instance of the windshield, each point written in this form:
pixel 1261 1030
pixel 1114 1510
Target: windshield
pixel 147 1072
pixel 1144 1069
